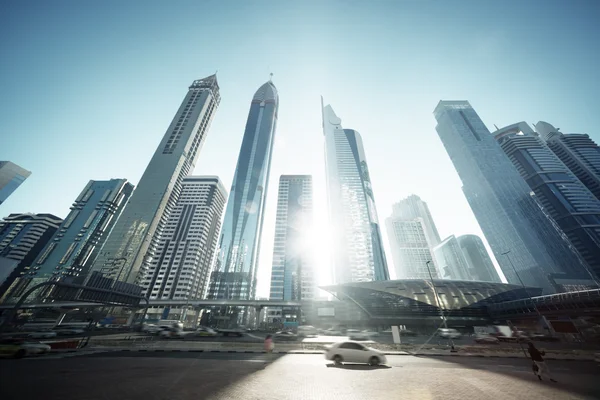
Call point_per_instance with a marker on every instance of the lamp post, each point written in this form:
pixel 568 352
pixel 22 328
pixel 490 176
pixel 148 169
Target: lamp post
pixel 439 304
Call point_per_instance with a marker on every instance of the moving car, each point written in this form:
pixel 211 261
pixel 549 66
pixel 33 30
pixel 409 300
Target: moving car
pixel 307 330
pixel 486 339
pixel 332 332
pixel 406 332
pixel 544 337
pixel 151 328
pixel 205 331
pixel 18 348
pixel 66 330
pixel 285 335
pixel 42 335
pixel 172 333
pixel 448 333
pixel 353 352
pixel 355 334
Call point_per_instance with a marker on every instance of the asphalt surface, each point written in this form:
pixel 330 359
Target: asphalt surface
pixel 231 376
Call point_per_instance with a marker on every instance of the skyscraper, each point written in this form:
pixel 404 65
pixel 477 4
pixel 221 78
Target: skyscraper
pixel 185 252
pixel 577 151
pixel 234 273
pixel 22 238
pixel 411 249
pixel 413 207
pixel 11 177
pixel 564 197
pixel 76 244
pixel 292 273
pixel 357 247
pixel 525 242
pixel 132 242
pixel 451 261
pixel 479 264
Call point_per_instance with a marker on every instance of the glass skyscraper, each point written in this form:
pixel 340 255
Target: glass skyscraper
pixel 358 254
pixel 564 197
pixel 480 265
pixel 75 246
pixel 577 151
pixel 132 242
pixel 521 236
pixel 292 272
pixel 234 273
pixel 11 177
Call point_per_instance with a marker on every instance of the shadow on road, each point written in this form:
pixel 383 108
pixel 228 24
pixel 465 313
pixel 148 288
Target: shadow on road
pixel 168 375
pixel 575 377
pixel 359 367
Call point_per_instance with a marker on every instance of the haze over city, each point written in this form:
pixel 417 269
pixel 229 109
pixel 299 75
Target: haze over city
pixel 89 90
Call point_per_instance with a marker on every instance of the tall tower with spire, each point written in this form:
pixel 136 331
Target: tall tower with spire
pixel 358 253
pixel 131 244
pixel 236 261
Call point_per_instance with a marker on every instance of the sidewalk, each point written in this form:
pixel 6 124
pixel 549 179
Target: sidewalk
pixel 300 348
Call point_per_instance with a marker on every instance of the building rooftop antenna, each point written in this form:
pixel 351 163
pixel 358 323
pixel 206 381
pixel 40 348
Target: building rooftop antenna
pixel 271 77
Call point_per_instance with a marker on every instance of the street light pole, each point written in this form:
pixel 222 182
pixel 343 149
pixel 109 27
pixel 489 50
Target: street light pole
pixel 439 303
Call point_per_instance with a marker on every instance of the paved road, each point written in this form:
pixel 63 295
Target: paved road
pixel 227 376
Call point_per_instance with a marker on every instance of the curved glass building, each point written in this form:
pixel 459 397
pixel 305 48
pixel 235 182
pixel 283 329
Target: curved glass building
pixel 405 300
pixel 357 247
pixel 234 272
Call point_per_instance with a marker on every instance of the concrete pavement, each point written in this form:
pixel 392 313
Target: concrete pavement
pixel 231 376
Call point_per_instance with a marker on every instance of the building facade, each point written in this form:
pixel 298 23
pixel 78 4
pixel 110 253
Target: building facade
pixel 479 263
pixel 526 244
pixel 234 272
pixel 411 251
pixel 358 253
pixel 187 246
pixel 562 195
pixel 11 177
pixel 577 151
pixel 451 261
pixel 292 272
pixel 413 207
pixel 74 247
pixel 22 238
pixel 132 243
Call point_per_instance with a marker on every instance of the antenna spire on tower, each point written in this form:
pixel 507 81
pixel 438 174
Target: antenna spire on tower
pixel 271 77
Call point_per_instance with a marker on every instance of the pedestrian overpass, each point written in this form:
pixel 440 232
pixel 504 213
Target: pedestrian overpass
pixel 167 303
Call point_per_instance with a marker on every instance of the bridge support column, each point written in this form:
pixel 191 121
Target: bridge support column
pixel 257 310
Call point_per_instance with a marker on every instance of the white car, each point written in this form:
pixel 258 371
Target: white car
pixel 42 335
pixel 355 334
pixel 354 352
pixel 151 328
pixel 172 333
pixel 18 348
pixel 486 339
pixel 65 331
pixel 205 331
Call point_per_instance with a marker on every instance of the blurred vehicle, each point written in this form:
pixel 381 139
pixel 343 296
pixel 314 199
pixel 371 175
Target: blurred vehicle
pixel 18 348
pixel 172 333
pixel 205 331
pixel 332 332
pixel 285 335
pixel 307 330
pixel 370 333
pixel 486 339
pixel 151 328
pixel 406 332
pixel 355 334
pixel 542 337
pixel 67 330
pixel 42 335
pixel 448 333
pixel 353 352
pixel 231 332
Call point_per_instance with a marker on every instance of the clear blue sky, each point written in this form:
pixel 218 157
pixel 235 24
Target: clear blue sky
pixel 87 89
